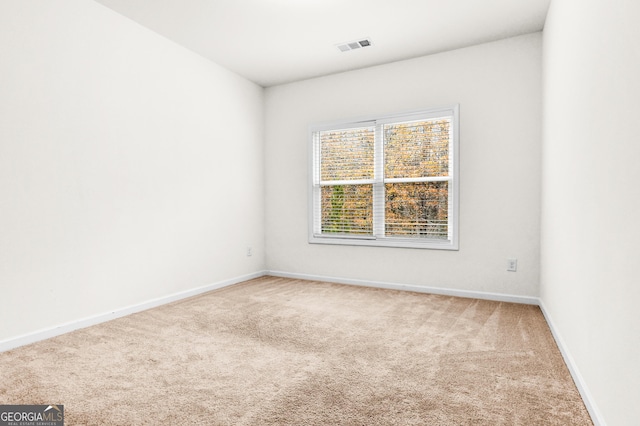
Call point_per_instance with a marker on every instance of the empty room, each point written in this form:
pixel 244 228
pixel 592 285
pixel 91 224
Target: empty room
pixel 306 212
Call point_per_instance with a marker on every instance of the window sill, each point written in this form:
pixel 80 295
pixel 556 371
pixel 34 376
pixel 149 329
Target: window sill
pixel 386 242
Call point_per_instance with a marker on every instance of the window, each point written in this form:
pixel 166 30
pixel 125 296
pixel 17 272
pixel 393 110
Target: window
pixel 386 181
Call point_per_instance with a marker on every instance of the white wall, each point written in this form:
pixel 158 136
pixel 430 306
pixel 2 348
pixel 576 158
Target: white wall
pixel 498 87
pixel 130 168
pixel 591 199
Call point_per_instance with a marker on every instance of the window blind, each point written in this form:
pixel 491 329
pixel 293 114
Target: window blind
pixel 391 181
pixel 416 164
pixel 346 165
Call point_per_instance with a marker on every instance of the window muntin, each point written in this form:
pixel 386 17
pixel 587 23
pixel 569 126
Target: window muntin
pixel 389 181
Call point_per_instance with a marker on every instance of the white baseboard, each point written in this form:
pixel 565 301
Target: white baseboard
pixel 408 287
pixel 26 339
pixel 568 359
pixel 39 335
pixel 596 416
pixel 57 330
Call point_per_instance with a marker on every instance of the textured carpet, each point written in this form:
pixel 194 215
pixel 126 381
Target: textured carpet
pixel 275 351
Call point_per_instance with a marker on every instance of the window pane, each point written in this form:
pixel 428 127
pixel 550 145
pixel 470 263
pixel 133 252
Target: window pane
pixel 347 209
pixel 417 209
pixel 417 149
pixel 347 154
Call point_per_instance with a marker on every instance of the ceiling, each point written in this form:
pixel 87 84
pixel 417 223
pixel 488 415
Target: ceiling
pixel 278 41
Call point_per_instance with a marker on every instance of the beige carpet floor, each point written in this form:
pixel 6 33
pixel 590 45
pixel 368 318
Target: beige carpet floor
pixel 274 351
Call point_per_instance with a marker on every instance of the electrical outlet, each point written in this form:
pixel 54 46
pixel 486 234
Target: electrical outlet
pixel 512 265
pixel 249 252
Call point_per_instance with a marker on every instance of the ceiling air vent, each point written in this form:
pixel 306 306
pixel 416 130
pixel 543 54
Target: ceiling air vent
pixel 353 45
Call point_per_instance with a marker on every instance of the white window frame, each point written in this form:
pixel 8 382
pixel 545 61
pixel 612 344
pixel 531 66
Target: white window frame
pixel 378 238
